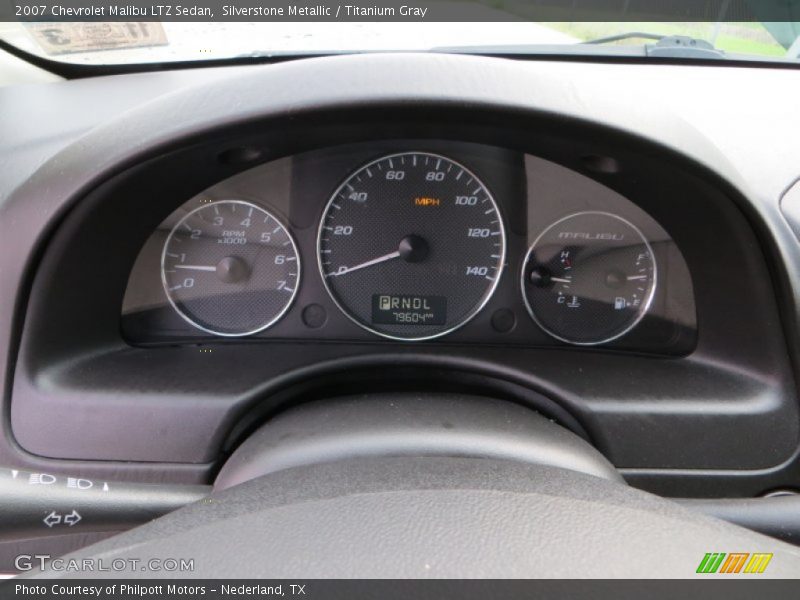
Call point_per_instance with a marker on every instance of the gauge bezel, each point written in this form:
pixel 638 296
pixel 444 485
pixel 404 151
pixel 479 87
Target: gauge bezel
pixel 490 291
pixel 643 309
pixel 186 317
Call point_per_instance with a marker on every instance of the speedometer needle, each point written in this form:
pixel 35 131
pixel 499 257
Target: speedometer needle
pixel 342 270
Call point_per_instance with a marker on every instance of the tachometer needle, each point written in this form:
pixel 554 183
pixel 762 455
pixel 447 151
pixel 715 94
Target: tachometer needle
pixel 636 277
pixel 196 267
pixel 342 270
pixel 561 280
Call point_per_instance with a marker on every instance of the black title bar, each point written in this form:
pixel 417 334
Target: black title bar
pixel 416 589
pixel 401 10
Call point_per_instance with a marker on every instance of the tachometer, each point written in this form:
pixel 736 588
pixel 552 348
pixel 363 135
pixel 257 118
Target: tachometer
pixel 589 278
pixel 411 246
pixel 230 268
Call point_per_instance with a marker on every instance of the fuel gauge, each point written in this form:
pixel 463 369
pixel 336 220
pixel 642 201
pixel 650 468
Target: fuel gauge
pixel 589 278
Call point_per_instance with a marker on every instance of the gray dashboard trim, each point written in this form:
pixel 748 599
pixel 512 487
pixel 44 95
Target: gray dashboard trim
pixel 638 100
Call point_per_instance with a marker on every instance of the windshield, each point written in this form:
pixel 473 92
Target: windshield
pixel 491 26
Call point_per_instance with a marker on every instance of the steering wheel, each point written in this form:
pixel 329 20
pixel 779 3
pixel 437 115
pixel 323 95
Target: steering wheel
pixel 421 486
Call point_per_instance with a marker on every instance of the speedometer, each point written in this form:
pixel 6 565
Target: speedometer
pixel 411 246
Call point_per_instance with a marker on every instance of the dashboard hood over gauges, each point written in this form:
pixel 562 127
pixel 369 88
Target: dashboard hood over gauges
pixel 76 362
pixel 710 412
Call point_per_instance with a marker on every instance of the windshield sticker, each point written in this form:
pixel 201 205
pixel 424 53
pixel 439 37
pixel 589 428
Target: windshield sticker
pixel 68 38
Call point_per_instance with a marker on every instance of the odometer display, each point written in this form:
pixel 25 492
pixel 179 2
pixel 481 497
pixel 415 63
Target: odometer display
pixel 411 246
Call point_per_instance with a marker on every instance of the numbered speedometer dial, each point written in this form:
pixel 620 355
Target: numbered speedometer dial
pixel 230 268
pixel 411 246
pixel 589 278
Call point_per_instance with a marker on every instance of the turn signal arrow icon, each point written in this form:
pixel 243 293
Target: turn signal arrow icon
pixel 72 518
pixel 52 519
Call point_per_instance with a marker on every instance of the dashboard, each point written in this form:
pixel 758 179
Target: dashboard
pixel 412 241
pixel 196 252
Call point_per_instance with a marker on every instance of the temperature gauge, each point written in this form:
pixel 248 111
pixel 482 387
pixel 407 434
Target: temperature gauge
pixel 589 278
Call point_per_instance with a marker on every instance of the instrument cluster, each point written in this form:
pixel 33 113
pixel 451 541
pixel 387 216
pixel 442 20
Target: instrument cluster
pixel 412 241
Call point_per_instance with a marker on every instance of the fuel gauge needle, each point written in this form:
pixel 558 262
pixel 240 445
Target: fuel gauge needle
pixel 196 267
pixel 369 263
